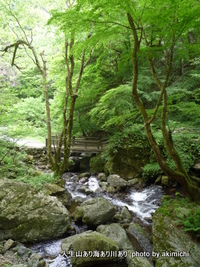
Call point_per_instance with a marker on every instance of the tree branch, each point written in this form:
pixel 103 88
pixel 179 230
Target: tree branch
pixel 110 22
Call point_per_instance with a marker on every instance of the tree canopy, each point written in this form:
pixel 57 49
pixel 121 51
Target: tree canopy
pixel 103 67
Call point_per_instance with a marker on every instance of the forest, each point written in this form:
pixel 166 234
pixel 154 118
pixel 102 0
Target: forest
pixel 123 71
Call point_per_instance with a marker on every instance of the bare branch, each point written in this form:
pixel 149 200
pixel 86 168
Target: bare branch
pixel 80 73
pixel 18 22
pixel 66 55
pixel 31 37
pixel 157 106
pixel 29 55
pixel 24 43
pixel 14 31
pixel 20 69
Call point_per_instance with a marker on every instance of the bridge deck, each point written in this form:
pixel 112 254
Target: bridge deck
pixel 83 144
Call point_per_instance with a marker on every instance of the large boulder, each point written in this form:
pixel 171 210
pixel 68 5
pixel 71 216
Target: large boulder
pixel 16 254
pixel 116 181
pixel 134 260
pixel 173 246
pixel 117 233
pixel 139 238
pixel 95 211
pixel 60 192
pixel 130 159
pixel 28 215
pixel 90 248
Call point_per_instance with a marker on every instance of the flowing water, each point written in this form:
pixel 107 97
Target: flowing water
pixel 142 204
pixel 50 251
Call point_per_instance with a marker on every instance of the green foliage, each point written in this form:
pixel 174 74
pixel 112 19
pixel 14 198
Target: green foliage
pixel 10 160
pixel 188 147
pixel 115 109
pixel 38 180
pixel 5 264
pixel 29 84
pixel 104 105
pixel 184 111
pixel 14 164
pixel 151 171
pixel 97 164
pixel 185 213
pixel 27 117
pixel 187 144
pixel 128 139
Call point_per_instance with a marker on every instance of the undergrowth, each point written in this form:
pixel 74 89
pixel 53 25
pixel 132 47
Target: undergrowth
pixel 14 164
pixel 186 214
pixel 186 143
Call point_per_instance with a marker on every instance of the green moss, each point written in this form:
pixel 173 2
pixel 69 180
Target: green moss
pixel 97 164
pixel 14 165
pixel 184 212
pixel 151 171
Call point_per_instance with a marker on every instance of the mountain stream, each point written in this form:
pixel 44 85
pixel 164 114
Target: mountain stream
pixel 141 203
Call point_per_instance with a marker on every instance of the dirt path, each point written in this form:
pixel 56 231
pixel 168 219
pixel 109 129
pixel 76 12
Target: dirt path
pixel 27 142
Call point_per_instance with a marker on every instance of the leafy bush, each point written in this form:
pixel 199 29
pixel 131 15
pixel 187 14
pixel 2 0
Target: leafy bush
pixel 27 117
pixel 151 171
pixel 114 109
pixel 97 164
pixel 187 145
pixel 38 180
pixel 13 165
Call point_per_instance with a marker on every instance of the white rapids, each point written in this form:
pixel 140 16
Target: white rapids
pixel 143 204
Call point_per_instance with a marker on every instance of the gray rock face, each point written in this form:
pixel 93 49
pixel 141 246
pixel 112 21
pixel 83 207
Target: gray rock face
pixel 139 238
pixel 27 215
pixel 60 192
pixel 16 254
pixel 138 261
pixel 102 177
pixel 116 181
pixel 115 232
pixel 167 237
pixel 91 243
pixel 95 211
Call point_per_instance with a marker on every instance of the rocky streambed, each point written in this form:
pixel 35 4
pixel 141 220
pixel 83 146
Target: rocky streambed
pixel 88 220
pixel 104 206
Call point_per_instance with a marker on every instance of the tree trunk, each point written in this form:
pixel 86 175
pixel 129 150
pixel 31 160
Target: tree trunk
pixel 179 175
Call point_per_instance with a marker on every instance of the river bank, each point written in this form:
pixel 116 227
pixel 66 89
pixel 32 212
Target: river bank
pixel 126 212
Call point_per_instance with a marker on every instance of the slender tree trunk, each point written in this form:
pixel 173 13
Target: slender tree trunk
pixel 179 175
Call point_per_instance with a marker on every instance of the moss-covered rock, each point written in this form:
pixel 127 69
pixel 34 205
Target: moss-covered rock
pixel 16 254
pixel 28 215
pixel 139 238
pixel 125 214
pixel 116 182
pixel 97 164
pixel 60 192
pixel 95 211
pixel 165 181
pixel 127 162
pixel 137 261
pixel 117 233
pixel 102 177
pixel 53 189
pixel 84 247
pixel 175 247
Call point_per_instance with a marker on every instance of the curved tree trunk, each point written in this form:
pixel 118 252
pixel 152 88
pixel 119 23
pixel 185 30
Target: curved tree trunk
pixel 179 175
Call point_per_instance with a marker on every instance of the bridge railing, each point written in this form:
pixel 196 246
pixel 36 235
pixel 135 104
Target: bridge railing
pixel 82 144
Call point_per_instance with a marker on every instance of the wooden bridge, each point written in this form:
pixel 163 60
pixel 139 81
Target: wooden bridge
pixel 83 144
